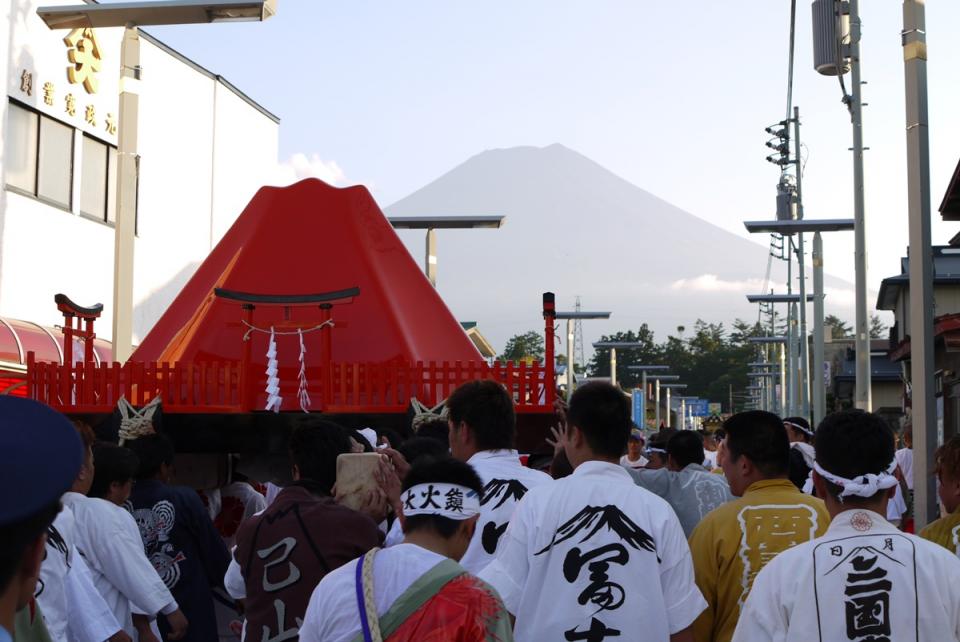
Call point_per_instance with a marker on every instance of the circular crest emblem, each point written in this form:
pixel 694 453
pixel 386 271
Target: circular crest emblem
pixel 861 521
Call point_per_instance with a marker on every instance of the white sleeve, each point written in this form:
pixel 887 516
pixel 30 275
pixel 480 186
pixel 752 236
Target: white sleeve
pixel 91 620
pixel 315 620
pixel 233 580
pixel 126 566
pixel 508 571
pixel 681 596
pixel 761 616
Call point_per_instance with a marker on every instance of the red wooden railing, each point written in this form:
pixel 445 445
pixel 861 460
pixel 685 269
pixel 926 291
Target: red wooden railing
pixel 339 387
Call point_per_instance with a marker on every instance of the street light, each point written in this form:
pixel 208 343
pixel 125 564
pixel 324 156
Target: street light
pixel 433 223
pixel 571 317
pixel 668 387
pixel 789 227
pixel 132 15
pixel 644 369
pixel 613 346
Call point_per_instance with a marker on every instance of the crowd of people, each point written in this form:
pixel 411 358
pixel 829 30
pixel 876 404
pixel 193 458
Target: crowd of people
pixel 763 530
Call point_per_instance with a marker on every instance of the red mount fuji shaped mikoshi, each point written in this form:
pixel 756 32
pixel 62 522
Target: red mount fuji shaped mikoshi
pixel 298 257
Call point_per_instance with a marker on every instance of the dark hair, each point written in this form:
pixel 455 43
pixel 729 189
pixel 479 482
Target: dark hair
pixel 947 457
pixel 152 451
pixel 442 470
pixel 437 429
pixel 87 436
pixel 18 536
pixel 719 434
pixel 762 438
pixel 851 443
pixel 486 407
pixel 661 438
pixel 314 448
pixel 112 463
pixel 358 437
pixel 804 430
pixel 390 435
pixel 417 447
pixel 602 412
pixel 686 447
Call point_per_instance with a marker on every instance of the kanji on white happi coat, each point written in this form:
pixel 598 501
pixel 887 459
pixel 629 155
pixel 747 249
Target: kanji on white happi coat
pixel 505 482
pixel 863 581
pixel 110 543
pixel 595 557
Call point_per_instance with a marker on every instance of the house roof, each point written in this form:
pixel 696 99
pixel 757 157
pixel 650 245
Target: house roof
pixel 950 206
pixel 882 368
pixel 946 265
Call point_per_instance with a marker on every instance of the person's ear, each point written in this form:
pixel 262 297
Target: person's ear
pixel 820 485
pixel 892 492
pixel 469 527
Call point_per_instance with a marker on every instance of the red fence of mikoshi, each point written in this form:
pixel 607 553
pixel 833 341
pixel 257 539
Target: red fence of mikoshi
pixel 219 387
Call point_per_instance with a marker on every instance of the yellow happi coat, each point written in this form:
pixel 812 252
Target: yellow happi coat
pixel 735 541
pixel 945 532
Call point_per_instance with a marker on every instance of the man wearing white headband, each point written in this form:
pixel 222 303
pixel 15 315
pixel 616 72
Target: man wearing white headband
pixel 864 579
pixel 415 590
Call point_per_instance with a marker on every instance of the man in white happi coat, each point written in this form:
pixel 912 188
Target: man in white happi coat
pixel 72 608
pixel 864 580
pixel 109 540
pixel 482 430
pixel 593 556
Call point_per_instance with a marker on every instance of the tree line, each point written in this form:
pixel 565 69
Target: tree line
pixel 709 359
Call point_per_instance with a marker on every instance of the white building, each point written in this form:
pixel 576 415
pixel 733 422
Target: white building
pixel 204 146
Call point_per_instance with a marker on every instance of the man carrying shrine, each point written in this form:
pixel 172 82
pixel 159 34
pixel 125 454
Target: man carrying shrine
pixel 946 530
pixel 415 590
pixel 482 430
pixel 735 541
pixel 864 580
pixel 593 556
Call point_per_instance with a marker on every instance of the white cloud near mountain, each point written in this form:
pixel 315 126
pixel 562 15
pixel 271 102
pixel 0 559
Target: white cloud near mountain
pixel 300 166
pixel 713 283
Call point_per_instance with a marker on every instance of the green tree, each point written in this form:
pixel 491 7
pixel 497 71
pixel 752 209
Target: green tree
pixel 878 329
pixel 523 347
pixel 840 328
pixel 646 354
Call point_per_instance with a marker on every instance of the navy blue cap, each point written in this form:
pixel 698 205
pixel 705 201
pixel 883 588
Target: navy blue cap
pixel 40 456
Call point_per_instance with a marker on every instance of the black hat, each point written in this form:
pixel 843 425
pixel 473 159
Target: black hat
pixel 40 456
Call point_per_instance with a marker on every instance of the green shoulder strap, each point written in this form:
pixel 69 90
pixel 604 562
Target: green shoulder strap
pixel 428 585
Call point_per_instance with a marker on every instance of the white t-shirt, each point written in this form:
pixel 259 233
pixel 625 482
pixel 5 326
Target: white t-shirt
pixel 505 481
pixel 333 614
pixel 862 580
pixel 640 463
pixel 110 543
pixel 905 461
pixel 595 552
pixel 709 459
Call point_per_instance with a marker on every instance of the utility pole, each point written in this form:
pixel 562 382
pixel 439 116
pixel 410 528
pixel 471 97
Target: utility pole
pixel 862 398
pixel 804 358
pixel 816 378
pixel 925 426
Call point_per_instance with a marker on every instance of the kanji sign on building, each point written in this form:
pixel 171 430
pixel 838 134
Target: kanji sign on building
pixel 85 57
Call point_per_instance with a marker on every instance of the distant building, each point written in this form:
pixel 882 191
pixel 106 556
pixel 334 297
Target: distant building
pixel 895 296
pixel 886 383
pixel 204 149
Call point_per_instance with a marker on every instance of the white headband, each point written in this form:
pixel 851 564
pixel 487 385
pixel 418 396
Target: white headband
pixel 651 449
pixel 864 485
pixel 800 427
pixel 445 500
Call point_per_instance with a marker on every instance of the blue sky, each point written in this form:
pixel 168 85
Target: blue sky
pixel 672 96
